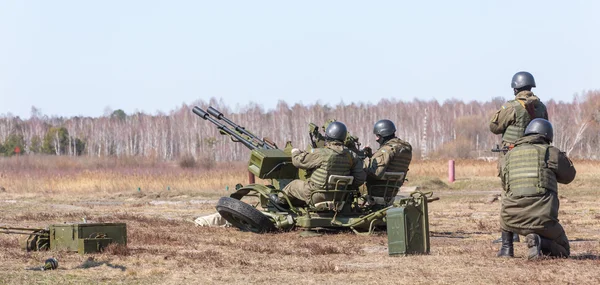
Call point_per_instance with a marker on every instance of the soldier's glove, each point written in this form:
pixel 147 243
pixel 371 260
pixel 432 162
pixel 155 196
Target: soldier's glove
pixel 295 151
pixel 368 151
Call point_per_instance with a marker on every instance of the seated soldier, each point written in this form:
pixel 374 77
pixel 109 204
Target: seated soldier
pixel 333 159
pixel 393 155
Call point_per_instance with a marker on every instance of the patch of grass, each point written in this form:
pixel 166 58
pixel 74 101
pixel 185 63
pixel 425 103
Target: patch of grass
pixel 145 220
pixel 117 249
pixel 426 183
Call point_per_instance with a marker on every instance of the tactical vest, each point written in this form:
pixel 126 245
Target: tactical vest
pixel 333 164
pixel 402 155
pixel 522 119
pixel 402 158
pixel 526 171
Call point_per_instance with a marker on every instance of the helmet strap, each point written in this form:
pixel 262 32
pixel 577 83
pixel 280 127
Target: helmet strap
pixel 524 88
pixel 381 140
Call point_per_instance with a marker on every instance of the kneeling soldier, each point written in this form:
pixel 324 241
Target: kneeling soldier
pixel 530 173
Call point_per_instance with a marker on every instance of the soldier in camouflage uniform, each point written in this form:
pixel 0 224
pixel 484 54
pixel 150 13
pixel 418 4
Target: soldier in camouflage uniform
pixel 333 159
pixel 530 173
pixel 510 121
pixel 393 155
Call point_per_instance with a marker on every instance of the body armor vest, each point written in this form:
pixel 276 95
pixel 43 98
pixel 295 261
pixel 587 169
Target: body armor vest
pixel 402 155
pixel 522 119
pixel 333 164
pixel 526 172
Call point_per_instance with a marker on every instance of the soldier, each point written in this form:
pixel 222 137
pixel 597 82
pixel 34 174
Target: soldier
pixel 510 121
pixel 393 155
pixel 333 159
pixel 530 173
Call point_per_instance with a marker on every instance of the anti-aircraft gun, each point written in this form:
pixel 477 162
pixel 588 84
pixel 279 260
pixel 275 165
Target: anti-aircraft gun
pixel 406 219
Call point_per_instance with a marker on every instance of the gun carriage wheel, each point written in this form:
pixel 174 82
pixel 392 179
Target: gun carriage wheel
pixel 244 216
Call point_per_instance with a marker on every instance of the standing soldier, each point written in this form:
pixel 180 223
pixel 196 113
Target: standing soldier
pixel 333 159
pixel 513 117
pixel 530 173
pixel 510 121
pixel 393 155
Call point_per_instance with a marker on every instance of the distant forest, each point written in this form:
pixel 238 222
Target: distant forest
pixel 452 129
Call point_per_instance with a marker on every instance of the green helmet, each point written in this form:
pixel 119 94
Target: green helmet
pixel 522 79
pixel 540 126
pixel 336 131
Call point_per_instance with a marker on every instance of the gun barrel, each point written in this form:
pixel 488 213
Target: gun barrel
pixel 262 143
pixel 204 115
pixel 23 231
pixel 200 112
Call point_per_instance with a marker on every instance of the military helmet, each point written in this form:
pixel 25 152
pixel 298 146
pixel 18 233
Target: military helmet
pixel 522 79
pixel 384 128
pixel 540 126
pixel 336 131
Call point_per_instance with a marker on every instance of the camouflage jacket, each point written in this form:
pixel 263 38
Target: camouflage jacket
pixel 536 211
pixel 512 118
pixel 318 157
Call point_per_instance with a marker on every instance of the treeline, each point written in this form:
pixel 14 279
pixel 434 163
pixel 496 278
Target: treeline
pixel 452 129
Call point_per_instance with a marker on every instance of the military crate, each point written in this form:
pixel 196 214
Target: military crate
pixel 408 227
pixel 86 237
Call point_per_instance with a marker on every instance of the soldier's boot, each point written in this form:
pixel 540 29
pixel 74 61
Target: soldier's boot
pixel 276 200
pixel 506 250
pixel 515 238
pixel 551 248
pixel 534 243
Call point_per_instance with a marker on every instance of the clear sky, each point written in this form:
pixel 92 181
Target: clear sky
pixel 72 58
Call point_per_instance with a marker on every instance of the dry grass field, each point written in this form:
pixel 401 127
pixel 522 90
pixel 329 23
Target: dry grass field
pixel 159 202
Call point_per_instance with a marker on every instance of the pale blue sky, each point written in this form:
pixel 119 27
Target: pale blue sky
pixel 78 57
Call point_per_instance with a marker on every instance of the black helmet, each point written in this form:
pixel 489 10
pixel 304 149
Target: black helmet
pixel 522 79
pixel 336 131
pixel 384 128
pixel 540 126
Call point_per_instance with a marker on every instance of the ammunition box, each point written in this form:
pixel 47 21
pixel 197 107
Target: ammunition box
pixel 408 227
pixel 86 238
pixel 272 164
pixel 90 245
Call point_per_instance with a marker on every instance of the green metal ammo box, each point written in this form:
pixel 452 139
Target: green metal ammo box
pixel 408 227
pixel 86 238
pixel 271 164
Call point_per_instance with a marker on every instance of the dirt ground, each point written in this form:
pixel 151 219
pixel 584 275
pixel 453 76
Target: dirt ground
pixel 166 248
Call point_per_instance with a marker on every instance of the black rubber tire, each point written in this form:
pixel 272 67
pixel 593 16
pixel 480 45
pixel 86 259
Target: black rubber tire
pixel 244 216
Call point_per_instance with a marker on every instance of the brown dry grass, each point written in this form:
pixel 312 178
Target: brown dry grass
pixel 165 247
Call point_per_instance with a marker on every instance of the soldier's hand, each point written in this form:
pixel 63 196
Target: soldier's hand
pixel 295 151
pixel 368 151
